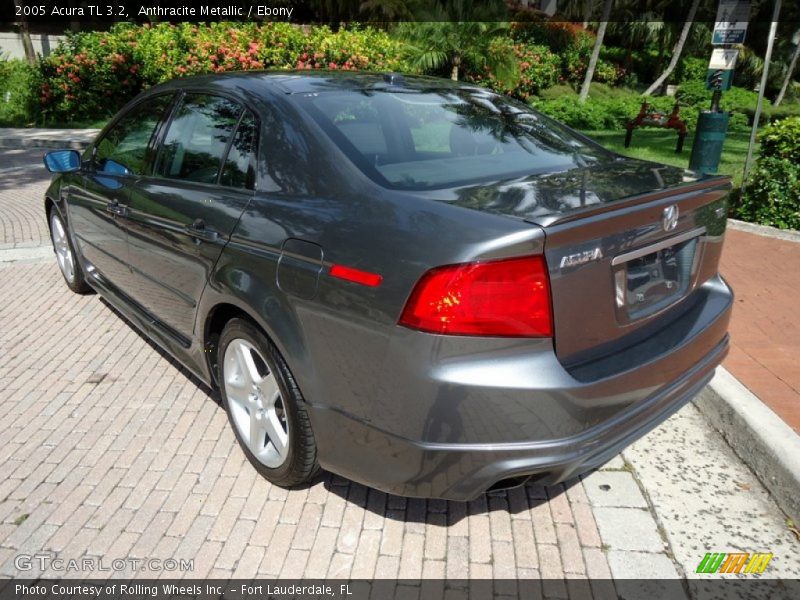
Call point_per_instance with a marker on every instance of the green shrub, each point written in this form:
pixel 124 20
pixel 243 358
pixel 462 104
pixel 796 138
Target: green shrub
pixel 573 45
pixel 538 70
pixel 782 140
pixel 690 69
pixel 741 102
pixel 694 93
pixel 92 74
pixel 89 75
pixel 772 196
pixel 739 122
pixel 771 114
pixel 739 99
pixel 609 92
pixel 17 98
pixel 556 35
pixel 603 112
pixel 557 91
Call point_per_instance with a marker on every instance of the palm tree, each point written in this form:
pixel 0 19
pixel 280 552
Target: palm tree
pixel 390 10
pixel 457 34
pixel 598 43
pixel 27 44
pixel 676 51
pixel 789 72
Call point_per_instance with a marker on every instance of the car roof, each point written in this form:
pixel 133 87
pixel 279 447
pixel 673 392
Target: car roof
pixel 304 81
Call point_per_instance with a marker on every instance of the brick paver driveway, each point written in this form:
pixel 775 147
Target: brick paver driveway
pixel 109 449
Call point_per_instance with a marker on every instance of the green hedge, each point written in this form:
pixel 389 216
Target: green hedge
pixel 600 111
pixel 93 73
pixel 571 45
pixel 539 69
pixel 772 196
pixel 17 96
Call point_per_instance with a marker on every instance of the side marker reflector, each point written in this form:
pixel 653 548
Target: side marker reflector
pixel 356 275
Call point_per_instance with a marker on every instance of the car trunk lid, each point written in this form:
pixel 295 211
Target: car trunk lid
pixel 626 245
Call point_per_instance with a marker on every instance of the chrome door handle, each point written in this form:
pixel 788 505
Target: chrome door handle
pixel 115 208
pixel 200 232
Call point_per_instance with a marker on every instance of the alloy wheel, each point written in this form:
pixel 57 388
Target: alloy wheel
pixel 66 260
pixel 255 402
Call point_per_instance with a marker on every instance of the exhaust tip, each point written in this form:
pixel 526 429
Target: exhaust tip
pixel 508 483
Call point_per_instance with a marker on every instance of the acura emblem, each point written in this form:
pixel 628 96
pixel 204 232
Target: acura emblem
pixel 669 218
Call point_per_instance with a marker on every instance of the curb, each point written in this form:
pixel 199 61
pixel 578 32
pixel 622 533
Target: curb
pixel 757 435
pixel 25 254
pixel 789 235
pixel 34 143
pixel 76 139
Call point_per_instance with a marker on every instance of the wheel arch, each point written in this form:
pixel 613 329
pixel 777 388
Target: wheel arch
pixel 49 205
pixel 215 320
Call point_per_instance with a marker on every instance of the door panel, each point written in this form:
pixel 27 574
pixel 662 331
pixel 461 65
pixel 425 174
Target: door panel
pixel 181 217
pixel 98 207
pixel 171 261
pixel 100 232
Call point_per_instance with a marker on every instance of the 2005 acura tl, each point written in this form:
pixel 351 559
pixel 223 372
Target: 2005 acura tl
pixel 417 284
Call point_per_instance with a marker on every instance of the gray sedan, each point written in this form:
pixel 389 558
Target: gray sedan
pixel 417 284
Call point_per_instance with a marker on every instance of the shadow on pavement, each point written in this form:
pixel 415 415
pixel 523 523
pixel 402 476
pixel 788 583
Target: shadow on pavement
pixel 410 510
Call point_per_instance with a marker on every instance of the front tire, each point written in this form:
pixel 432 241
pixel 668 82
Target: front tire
pixel 65 255
pixel 265 407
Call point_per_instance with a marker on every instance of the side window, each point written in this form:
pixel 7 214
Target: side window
pixel 197 138
pixel 239 170
pixel 123 149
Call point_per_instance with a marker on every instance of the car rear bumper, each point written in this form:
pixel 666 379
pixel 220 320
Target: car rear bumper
pixel 465 453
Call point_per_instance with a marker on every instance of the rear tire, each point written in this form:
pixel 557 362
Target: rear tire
pixel 265 407
pixel 68 263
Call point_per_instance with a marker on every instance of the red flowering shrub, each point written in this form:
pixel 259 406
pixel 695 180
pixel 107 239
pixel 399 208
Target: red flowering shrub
pixel 93 74
pixel 538 69
pixel 83 80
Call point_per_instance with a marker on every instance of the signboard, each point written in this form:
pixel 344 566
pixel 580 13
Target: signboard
pixel 721 77
pixel 731 24
pixel 720 69
pixel 723 58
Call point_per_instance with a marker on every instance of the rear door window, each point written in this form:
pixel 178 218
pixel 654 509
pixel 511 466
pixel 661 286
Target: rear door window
pixel 124 148
pixel 239 170
pixel 197 139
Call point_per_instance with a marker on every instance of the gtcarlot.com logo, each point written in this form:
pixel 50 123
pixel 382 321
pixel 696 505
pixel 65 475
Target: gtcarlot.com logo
pixel 93 564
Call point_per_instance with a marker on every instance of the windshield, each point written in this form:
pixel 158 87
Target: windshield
pixel 446 138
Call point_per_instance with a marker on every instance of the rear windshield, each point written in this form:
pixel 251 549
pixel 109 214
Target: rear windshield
pixel 445 138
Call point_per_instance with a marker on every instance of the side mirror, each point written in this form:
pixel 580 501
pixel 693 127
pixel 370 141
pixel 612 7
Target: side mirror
pixel 62 161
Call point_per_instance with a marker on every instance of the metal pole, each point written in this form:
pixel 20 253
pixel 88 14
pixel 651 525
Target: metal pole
pixel 764 74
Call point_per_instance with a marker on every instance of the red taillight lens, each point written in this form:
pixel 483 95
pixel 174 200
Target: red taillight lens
pixel 497 298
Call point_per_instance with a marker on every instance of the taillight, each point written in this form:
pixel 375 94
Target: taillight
pixel 509 297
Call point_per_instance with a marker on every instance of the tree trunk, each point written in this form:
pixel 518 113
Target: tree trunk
pixel 74 24
pixel 25 34
pixel 789 73
pixel 598 43
pixel 676 51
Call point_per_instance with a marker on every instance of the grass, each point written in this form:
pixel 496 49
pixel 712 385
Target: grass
pixel 658 145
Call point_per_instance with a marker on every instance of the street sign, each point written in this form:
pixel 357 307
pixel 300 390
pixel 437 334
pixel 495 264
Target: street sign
pixel 720 69
pixel 731 24
pixel 723 58
pixel 719 77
